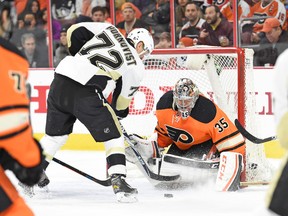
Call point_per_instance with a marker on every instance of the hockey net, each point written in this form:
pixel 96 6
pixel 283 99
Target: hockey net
pixel 227 80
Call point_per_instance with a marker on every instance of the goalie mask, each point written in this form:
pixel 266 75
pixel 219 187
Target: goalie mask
pixel 140 34
pixel 185 95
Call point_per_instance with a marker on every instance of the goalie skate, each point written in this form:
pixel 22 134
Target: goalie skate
pixel 124 192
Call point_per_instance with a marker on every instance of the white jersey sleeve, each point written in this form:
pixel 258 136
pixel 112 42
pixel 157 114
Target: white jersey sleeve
pixel 281 86
pixel 107 54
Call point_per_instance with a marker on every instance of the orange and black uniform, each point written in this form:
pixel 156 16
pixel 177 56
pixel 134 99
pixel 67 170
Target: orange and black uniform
pixel 15 130
pixel 207 127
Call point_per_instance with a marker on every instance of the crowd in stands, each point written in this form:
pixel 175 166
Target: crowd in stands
pixel 263 24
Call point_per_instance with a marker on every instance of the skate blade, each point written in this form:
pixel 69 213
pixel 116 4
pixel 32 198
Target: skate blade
pixel 123 197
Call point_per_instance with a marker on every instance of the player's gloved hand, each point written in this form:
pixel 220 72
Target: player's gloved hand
pixel 27 175
pixel 282 131
pixel 121 113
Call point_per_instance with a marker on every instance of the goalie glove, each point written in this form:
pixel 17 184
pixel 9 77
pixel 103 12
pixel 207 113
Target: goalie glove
pixel 282 131
pixel 148 148
pixel 230 168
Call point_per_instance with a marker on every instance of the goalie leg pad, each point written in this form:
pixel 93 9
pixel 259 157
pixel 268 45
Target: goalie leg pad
pixel 230 168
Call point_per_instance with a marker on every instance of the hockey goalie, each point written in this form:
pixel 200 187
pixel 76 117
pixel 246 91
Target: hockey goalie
pixel 193 135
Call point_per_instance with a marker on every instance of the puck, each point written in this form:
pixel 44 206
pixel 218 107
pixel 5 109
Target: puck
pixel 168 195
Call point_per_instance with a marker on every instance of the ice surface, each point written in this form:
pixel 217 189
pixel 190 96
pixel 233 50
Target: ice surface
pixel 71 194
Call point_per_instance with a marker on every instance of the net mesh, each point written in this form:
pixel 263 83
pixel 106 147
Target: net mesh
pixel 218 80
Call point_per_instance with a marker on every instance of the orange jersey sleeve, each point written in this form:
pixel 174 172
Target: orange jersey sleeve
pixel 206 122
pixel 274 9
pixel 15 129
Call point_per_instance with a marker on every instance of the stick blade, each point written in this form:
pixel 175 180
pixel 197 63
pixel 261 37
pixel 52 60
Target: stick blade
pixel 249 136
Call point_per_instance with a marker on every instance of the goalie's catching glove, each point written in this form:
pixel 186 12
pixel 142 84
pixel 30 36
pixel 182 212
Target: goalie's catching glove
pixel 148 148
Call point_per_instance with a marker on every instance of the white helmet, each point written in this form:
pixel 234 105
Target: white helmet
pixel 185 95
pixel 141 34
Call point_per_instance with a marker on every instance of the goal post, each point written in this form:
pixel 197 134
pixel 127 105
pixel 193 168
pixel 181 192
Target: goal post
pixel 227 79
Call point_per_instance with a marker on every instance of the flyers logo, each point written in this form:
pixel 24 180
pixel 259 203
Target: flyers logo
pixel 178 135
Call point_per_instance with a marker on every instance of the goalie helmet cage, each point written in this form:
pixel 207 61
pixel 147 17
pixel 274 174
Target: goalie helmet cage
pixel 226 78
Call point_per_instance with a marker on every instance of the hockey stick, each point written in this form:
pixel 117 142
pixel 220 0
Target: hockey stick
pixel 250 137
pixel 105 183
pixel 142 165
pixel 261 183
pixel 191 162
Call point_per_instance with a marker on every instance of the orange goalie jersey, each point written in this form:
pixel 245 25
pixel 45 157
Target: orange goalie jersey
pixel 206 122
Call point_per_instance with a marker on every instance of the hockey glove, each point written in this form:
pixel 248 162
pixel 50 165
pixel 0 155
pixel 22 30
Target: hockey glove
pixel 27 175
pixel 282 131
pixel 148 148
pixel 121 113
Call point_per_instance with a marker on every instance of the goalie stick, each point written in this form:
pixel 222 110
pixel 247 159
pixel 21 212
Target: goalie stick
pixel 142 165
pixel 105 183
pixel 250 137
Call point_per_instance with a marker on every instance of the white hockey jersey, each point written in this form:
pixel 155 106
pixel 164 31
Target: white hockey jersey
pixel 108 55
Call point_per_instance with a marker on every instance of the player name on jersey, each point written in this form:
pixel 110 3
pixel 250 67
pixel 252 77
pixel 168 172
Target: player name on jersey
pixel 122 41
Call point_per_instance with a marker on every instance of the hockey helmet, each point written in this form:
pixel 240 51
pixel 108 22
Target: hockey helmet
pixel 141 34
pixel 185 95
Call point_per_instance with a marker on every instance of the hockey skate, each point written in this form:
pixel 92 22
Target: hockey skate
pixel 124 192
pixel 44 180
pixel 30 190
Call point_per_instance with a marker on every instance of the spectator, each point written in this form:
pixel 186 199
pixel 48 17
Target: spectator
pixel 216 31
pixel 164 41
pixel 118 11
pixel 130 21
pixel 185 42
pixel 62 51
pixel 140 4
pixel 98 14
pixel 192 27
pixel 107 15
pixel 63 10
pixel 33 7
pixel 272 45
pixel 243 10
pixel 157 16
pixel 35 57
pixel 20 5
pixel 44 22
pixel 180 16
pixel 20 23
pixel 84 7
pixel 82 18
pixel 30 27
pixel 268 8
pixel 264 8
